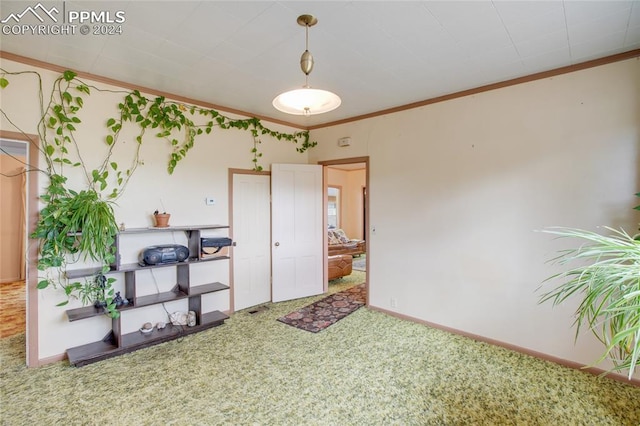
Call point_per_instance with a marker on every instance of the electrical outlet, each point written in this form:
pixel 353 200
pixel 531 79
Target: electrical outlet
pixel 210 201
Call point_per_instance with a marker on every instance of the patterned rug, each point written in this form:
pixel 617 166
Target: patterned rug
pixel 321 314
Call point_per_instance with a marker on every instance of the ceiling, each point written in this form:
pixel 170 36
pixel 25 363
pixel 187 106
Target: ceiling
pixel 375 54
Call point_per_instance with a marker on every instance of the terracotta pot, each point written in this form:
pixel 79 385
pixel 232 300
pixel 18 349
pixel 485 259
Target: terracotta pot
pixel 162 220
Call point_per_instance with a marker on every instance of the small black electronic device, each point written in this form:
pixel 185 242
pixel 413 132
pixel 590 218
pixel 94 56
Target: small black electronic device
pixel 163 254
pixel 215 245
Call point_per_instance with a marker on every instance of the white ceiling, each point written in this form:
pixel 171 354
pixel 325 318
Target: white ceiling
pixel 375 54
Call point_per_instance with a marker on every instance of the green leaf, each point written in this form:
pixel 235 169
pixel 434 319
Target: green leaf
pixel 69 75
pixel 83 88
pixel 3 82
pixel 43 284
pixel 111 122
pixel 109 140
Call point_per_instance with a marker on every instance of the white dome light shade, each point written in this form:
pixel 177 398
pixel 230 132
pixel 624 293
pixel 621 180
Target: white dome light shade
pixel 307 101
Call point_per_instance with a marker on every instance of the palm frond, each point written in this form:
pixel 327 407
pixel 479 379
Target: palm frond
pixel 607 278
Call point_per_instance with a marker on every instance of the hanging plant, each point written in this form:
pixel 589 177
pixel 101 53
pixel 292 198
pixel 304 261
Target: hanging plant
pixel 80 224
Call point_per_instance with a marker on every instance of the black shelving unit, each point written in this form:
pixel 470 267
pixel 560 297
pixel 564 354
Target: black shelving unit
pixel 117 343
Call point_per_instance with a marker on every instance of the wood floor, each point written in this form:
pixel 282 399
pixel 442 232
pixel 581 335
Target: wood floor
pixel 12 308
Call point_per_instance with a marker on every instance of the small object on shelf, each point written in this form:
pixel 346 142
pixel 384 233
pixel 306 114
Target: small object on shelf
pixel 161 219
pixel 147 327
pixel 163 254
pixel 161 325
pixel 178 318
pixel 101 285
pixel 191 318
pixel 212 247
pixel 100 304
pixel 122 227
pixel 118 300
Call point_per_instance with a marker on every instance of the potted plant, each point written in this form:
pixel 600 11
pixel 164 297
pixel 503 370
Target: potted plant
pixel 76 226
pixel 98 291
pixel 161 219
pixel 606 276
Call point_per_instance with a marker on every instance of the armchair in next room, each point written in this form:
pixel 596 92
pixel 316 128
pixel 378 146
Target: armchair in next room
pixel 339 243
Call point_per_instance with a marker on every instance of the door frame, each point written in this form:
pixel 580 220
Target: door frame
pixel 325 185
pixel 232 173
pixel 31 247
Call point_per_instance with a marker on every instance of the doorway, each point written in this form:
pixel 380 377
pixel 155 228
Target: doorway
pixel 13 161
pixel 261 279
pixel 346 183
pixel 27 148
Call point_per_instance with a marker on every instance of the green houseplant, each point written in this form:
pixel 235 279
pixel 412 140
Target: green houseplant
pixel 604 272
pixel 79 223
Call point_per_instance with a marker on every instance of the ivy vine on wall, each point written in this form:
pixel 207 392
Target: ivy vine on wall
pixel 80 224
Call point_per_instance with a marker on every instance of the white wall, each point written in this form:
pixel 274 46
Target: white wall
pixel 458 189
pixel 204 173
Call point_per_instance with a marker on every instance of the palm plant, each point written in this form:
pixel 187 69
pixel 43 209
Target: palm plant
pixel 607 277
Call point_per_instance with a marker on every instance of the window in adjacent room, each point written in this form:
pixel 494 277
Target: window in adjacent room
pixel 333 210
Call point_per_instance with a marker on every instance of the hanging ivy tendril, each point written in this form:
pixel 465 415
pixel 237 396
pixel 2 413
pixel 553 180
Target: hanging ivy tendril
pixel 81 224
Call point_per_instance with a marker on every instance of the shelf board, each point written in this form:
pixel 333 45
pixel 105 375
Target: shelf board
pixel 85 312
pixel 172 228
pixel 85 272
pixel 128 267
pixel 152 299
pixel 207 288
pixel 92 352
pixel 97 351
pixel 213 318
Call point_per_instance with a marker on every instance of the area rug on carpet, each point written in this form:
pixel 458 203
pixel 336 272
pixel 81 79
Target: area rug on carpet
pixel 321 314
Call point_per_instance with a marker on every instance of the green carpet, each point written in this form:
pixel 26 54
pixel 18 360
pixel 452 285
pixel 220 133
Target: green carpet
pixel 367 369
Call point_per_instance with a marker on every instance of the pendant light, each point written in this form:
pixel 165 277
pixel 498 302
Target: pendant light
pixel 306 101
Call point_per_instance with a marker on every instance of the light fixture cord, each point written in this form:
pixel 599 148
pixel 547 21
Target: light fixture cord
pixel 306 48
